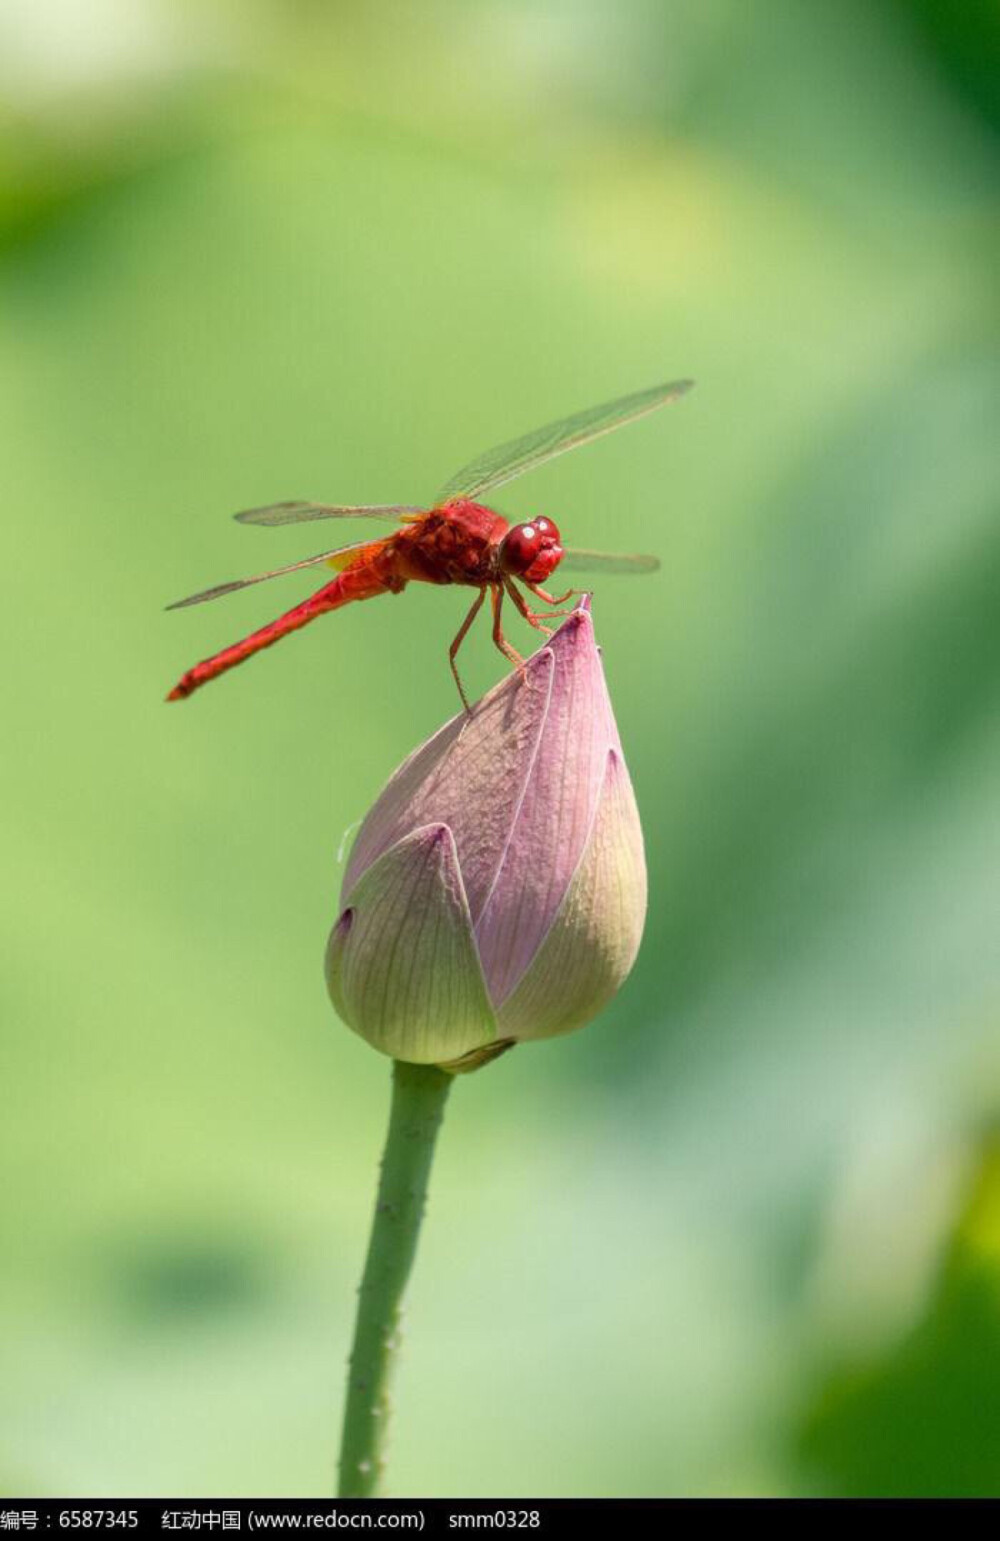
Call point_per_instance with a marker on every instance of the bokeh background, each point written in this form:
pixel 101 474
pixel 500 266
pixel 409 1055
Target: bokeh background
pixel 742 1236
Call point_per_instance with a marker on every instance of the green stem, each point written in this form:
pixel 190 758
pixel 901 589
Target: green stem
pixel 419 1093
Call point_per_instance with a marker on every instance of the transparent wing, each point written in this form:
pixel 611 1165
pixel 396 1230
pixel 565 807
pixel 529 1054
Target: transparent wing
pixel 508 460
pixel 338 557
pixel 299 513
pixel 576 561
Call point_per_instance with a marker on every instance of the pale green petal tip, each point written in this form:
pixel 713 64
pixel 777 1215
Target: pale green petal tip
pixel 401 964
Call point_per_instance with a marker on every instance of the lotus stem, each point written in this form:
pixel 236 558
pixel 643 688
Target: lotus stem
pixel 419 1093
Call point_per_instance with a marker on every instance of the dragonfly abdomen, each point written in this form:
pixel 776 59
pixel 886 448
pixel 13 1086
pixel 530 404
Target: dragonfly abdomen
pixel 364 580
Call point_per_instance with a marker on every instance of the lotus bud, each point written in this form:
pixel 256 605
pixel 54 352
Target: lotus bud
pixel 496 891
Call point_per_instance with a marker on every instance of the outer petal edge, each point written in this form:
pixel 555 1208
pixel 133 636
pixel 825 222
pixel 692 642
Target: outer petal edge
pixel 401 965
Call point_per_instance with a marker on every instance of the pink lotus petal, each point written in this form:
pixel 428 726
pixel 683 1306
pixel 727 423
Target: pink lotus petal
pixel 517 783
pixel 553 820
pixel 471 776
pixel 595 935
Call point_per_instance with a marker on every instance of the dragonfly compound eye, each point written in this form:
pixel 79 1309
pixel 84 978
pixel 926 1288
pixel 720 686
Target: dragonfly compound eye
pixel 531 551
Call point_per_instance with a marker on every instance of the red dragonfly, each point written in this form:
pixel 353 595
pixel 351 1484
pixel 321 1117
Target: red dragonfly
pixel 459 540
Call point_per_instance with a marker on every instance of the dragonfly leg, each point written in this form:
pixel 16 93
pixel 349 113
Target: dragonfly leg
pixel 529 615
pixel 552 599
pixel 496 598
pixel 532 617
pixel 477 605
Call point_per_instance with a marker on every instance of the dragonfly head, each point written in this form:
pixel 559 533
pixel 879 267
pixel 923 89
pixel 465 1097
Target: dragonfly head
pixel 531 551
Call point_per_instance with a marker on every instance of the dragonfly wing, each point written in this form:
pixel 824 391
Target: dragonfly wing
pixel 300 513
pixel 577 561
pixel 338 557
pixel 508 460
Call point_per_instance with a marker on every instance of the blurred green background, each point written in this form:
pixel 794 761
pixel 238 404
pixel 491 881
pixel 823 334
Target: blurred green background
pixel 743 1234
